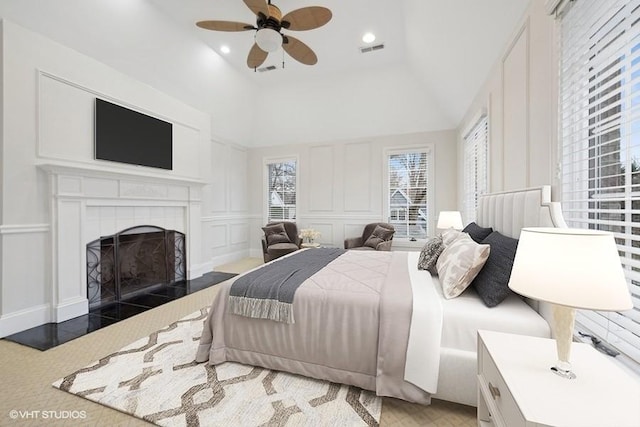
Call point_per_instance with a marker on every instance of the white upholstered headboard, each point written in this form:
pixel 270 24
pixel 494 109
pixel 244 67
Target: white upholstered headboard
pixel 510 211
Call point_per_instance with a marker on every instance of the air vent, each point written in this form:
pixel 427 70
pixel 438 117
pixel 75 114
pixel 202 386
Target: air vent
pixel 373 48
pixel 267 68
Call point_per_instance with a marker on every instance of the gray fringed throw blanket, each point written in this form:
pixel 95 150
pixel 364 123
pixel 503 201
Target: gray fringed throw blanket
pixel 267 293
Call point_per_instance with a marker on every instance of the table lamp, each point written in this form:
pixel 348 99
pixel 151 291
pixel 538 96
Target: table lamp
pixel 449 219
pixel 569 268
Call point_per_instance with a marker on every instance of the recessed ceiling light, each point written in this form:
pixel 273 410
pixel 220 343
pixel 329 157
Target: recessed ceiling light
pixel 368 38
pixel 225 49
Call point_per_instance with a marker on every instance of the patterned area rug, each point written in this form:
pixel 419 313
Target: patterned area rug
pixel 156 379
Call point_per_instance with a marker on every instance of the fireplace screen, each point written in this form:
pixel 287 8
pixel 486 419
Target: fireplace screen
pixel 132 261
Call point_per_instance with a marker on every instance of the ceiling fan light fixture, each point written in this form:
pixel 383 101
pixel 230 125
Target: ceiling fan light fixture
pixel 268 39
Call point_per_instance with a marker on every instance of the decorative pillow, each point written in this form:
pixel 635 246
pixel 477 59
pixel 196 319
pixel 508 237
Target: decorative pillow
pixel 477 233
pixel 459 264
pixel 430 253
pixel 276 233
pixel 379 235
pixel 492 281
pixel 451 235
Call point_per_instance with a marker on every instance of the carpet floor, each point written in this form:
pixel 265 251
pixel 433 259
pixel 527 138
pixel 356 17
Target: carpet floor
pixel 27 397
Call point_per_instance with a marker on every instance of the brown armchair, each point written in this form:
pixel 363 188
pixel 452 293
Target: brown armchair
pixel 280 238
pixel 377 236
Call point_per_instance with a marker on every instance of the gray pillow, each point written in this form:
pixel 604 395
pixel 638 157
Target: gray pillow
pixel 276 233
pixel 430 253
pixel 492 281
pixel 379 235
pixel 477 233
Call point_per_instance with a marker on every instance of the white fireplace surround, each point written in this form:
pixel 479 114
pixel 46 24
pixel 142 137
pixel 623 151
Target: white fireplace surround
pixel 89 201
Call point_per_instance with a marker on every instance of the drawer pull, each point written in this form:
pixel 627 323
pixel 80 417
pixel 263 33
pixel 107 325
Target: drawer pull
pixel 495 391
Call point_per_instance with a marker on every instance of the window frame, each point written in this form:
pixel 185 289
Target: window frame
pixel 265 185
pixel 429 150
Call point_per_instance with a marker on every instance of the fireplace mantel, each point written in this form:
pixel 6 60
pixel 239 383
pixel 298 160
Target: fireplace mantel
pixel 88 201
pixel 98 171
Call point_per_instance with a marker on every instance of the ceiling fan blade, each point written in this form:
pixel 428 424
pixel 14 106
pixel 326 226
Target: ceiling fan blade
pixel 256 56
pixel 299 51
pixel 225 26
pixel 306 18
pixel 257 6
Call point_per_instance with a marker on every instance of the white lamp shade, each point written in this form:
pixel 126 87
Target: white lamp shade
pixel 268 39
pixel 571 267
pixel 450 219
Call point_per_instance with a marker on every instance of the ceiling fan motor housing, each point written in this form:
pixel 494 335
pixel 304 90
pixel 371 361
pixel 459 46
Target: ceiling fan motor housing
pixel 272 21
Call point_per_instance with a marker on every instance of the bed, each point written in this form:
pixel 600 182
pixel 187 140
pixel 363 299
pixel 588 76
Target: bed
pixel 373 320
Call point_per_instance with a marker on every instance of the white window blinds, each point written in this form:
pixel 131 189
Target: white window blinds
pixel 600 135
pixel 408 193
pixel 281 191
pixel 475 173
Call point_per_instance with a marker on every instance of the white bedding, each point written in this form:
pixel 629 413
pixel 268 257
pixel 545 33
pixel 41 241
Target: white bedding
pixel 452 326
pixel 466 314
pixel 423 359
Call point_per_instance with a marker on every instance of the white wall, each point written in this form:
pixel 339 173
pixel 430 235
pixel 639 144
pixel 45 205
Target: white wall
pixel 520 97
pixel 135 38
pixel 382 101
pixel 341 182
pixel 47 114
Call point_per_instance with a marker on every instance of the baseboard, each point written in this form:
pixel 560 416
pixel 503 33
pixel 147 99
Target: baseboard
pixel 196 271
pixel 256 253
pixel 71 308
pixel 22 320
pixel 230 257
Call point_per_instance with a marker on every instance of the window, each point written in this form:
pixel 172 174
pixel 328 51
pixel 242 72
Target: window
pixel 408 202
pixel 475 177
pixel 600 135
pixel 281 191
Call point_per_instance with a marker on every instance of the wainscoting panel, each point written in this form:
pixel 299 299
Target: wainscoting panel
pixel 239 234
pixel 326 230
pixel 238 179
pixel 217 190
pixel 66 113
pixel 515 71
pixel 357 177
pixel 320 193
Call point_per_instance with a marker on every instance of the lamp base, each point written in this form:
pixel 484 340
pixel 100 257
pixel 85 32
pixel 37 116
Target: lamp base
pixel 564 318
pixel 563 373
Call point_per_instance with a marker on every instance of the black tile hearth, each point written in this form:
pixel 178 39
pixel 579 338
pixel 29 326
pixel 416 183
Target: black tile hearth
pixel 50 335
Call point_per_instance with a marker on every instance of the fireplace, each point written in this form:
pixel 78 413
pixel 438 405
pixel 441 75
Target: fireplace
pixel 132 262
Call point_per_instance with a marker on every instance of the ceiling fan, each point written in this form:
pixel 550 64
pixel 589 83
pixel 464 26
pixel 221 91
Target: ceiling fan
pixel 269 26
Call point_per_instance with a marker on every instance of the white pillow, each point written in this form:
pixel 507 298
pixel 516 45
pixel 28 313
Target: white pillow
pixel 459 264
pixel 449 236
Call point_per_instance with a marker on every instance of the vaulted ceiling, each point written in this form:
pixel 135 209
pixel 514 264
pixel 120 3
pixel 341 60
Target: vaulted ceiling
pixel 438 52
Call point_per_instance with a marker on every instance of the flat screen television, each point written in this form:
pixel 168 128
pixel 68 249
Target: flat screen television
pixel 127 136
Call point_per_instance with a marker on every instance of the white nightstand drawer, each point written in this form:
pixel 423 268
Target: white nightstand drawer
pixel 497 394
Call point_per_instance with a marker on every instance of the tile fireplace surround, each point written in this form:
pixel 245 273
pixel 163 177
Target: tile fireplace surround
pixel 87 202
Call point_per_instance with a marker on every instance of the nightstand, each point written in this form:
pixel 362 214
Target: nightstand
pixel 516 387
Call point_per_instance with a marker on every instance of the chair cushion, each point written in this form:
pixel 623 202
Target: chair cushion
pixel 492 281
pixel 279 249
pixel 477 233
pixel 362 248
pixel 379 235
pixel 276 233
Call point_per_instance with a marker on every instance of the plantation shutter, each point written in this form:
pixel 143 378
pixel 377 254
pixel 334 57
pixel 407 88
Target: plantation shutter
pixel 408 173
pixel 281 191
pixel 600 135
pixel 475 173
